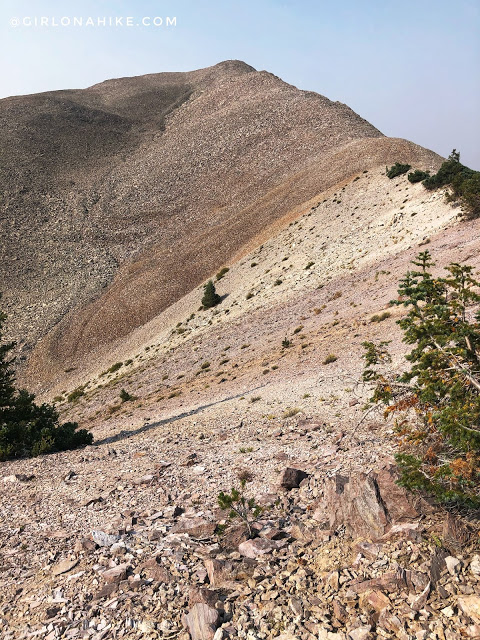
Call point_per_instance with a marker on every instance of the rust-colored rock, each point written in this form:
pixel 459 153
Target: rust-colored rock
pixel 116 574
pixel 374 600
pixel 366 505
pixel 195 527
pixel 220 573
pixel 202 596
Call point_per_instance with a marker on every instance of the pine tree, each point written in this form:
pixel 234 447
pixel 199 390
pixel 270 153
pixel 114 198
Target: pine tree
pixel 210 296
pixel 436 402
pixel 25 427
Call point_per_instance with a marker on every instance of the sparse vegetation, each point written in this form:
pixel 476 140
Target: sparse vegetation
pixel 125 396
pixel 330 358
pixel 75 394
pixel 463 182
pixel 290 412
pixel 286 343
pixel 298 329
pixel 246 449
pixel 222 272
pixel 115 367
pixel 380 317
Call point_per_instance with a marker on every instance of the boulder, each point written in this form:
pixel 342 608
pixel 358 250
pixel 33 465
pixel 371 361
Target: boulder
pixel 470 606
pixel 84 544
pixel 366 504
pixel 291 478
pixel 257 547
pixel 156 571
pixel 64 566
pixel 196 527
pixel 453 565
pixel 360 633
pixel 116 574
pixel 475 565
pixel 220 573
pixel 399 580
pixel 202 621
pixel 233 536
pixel 104 539
pixel 420 601
pixel 201 595
pixel 375 600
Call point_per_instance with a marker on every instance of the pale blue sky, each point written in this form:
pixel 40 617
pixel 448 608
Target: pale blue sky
pixel 410 67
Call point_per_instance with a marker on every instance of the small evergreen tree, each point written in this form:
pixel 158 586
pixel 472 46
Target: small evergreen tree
pixel 25 427
pixel 210 296
pixel 397 170
pixel 239 506
pixel 437 401
pixel 463 183
pixel 418 176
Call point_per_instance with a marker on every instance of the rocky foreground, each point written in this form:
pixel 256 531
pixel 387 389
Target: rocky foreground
pixel 340 552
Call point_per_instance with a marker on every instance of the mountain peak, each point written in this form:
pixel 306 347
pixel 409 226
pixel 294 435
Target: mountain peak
pixel 149 184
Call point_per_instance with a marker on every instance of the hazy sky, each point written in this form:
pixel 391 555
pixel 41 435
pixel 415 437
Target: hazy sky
pixel 410 67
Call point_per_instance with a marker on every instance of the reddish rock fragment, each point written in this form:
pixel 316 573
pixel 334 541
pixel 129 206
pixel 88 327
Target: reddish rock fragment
pixel 202 621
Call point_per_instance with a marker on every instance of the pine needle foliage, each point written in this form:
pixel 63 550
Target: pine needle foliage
pixel 239 506
pixel 210 296
pixel 26 428
pixel 436 401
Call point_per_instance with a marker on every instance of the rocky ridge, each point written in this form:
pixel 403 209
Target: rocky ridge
pixel 340 552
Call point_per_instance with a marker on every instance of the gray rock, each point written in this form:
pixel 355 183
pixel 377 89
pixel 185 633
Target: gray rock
pixel 104 539
pixel 453 565
pixel 475 565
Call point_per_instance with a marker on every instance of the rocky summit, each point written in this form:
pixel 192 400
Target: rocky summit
pixel 120 202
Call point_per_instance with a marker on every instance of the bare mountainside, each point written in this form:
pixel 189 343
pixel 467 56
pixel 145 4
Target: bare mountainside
pixel 121 198
pixel 125 538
